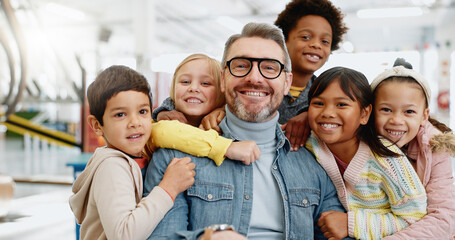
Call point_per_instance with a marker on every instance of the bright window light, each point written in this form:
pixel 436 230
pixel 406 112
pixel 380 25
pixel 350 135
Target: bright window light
pixel 348 47
pixel 389 12
pixel 65 11
pixel 230 23
pixel 371 64
pixel 167 62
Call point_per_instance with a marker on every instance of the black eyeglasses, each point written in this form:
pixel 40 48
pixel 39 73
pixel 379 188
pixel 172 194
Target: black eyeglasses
pixel 241 66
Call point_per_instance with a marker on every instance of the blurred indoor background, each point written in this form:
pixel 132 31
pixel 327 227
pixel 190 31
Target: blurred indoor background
pixel 52 49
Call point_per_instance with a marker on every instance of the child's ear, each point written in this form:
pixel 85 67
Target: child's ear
pixel 287 83
pixel 365 114
pixel 95 125
pixel 426 115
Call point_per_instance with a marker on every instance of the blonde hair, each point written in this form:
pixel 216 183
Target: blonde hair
pixel 215 72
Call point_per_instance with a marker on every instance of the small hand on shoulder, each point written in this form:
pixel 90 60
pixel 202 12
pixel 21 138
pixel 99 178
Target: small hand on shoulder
pixel 172 115
pixel 213 119
pixel 178 176
pixel 297 130
pixel 245 151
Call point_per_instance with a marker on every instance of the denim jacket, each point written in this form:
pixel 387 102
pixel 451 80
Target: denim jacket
pixel 291 106
pixel 224 194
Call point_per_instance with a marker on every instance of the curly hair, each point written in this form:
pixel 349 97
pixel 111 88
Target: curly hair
pixel 288 18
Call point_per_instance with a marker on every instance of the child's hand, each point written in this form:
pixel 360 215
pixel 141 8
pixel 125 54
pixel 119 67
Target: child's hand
pixel 297 130
pixel 178 177
pixel 245 151
pixel 172 115
pixel 213 119
pixel 334 224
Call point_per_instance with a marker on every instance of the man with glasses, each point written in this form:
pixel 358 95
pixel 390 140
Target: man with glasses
pixel 279 196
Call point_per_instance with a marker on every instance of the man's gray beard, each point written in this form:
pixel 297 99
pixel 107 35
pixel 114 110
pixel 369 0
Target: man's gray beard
pixel 239 110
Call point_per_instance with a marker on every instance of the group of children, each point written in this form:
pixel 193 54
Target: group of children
pixel 389 161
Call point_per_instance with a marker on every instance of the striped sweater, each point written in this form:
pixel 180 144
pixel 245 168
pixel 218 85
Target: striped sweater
pixel 381 195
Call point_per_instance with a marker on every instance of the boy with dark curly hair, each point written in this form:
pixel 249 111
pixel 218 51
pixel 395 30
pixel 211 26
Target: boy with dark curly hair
pixel 312 30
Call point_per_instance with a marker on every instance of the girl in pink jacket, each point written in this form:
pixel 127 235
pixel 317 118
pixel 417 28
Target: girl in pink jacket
pixel 401 100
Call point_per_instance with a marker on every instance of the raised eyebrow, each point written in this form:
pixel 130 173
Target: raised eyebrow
pixel 327 35
pixel 383 104
pixel 144 105
pixel 121 109
pixel 345 99
pixel 306 30
pixel 183 75
pixel 302 31
pixel 409 105
pixel 208 76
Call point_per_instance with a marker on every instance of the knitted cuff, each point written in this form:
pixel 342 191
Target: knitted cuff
pixel 351 223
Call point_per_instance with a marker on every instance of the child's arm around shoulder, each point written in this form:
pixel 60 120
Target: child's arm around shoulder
pixel 197 142
pixel 213 119
pixel 116 197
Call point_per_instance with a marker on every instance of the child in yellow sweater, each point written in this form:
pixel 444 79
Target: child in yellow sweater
pixel 195 92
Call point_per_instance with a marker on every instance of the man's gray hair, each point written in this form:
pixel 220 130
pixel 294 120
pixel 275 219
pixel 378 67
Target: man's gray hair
pixel 261 30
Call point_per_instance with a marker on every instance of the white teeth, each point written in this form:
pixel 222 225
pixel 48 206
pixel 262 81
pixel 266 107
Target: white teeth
pixel 192 100
pixel 315 57
pixel 327 125
pixel 135 136
pixel 396 133
pixel 257 94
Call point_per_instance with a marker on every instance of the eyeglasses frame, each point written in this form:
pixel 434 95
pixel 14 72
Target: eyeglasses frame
pixel 259 60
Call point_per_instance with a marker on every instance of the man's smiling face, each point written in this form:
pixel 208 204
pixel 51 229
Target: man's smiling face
pixel 254 98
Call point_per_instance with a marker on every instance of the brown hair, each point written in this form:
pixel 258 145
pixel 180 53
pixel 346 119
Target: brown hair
pixel 355 85
pixel 111 81
pixel 439 125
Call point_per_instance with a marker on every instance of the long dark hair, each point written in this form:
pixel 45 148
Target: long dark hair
pixel 355 85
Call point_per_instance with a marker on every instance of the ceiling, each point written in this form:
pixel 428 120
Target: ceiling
pixel 175 26
pixel 106 32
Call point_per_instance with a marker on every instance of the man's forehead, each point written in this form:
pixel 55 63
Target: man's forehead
pixel 256 47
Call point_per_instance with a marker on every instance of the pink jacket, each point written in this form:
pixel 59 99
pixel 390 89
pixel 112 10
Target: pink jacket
pixel 435 172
